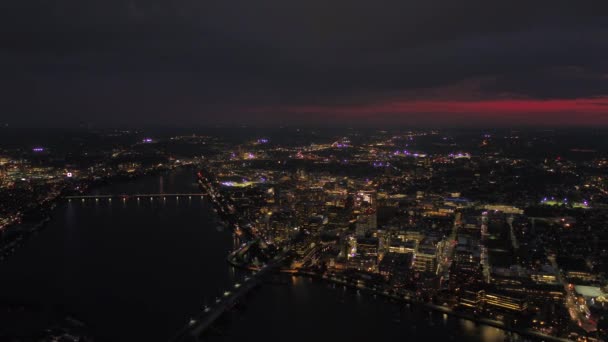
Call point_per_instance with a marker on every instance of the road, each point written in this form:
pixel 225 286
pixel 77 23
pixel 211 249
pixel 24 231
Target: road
pixel 578 312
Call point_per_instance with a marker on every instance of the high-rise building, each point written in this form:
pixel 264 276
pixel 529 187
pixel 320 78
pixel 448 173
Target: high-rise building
pixel 366 222
pixel 426 259
pixel 368 197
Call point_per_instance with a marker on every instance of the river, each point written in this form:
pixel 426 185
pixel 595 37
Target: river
pixel 138 270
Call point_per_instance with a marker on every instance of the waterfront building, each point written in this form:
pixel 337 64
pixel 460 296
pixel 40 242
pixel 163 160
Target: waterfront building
pixel 495 300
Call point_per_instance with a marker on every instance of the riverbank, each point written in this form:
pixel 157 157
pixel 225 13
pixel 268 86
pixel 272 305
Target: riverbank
pixel 13 236
pixel 400 298
pixel 437 308
pixel 131 271
pixel 232 260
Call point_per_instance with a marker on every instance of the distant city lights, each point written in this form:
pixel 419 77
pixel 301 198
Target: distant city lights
pixel 554 202
pixel 407 153
pixel 460 155
pixel 233 184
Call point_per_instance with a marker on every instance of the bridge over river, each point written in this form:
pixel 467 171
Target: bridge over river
pixel 136 196
pixel 199 324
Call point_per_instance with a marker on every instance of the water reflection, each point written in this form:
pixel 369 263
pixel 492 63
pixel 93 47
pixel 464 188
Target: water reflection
pixel 138 269
pixel 468 327
pixel 491 334
pixel 132 269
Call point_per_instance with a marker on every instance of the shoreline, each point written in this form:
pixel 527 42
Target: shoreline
pixel 404 299
pixel 27 227
pixel 440 308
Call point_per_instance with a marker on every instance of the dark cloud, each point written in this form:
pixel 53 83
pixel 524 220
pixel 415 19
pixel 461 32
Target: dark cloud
pixel 119 60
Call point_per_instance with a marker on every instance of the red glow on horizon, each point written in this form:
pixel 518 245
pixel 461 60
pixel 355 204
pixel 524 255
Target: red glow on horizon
pixel 562 111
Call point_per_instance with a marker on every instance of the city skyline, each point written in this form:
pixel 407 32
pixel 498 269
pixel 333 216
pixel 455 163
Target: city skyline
pixel 390 170
pixel 435 229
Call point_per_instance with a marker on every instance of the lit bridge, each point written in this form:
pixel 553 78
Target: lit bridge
pixel 199 324
pixel 137 196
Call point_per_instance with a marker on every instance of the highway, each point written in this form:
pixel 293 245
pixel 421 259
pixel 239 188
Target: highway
pixel 205 319
pixel 224 206
pixel 446 259
pixel 512 232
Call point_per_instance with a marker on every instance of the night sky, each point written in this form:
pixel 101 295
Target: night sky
pixel 318 61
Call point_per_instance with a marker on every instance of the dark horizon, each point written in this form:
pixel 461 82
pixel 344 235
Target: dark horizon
pixel 368 125
pixel 124 62
pixel 309 125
